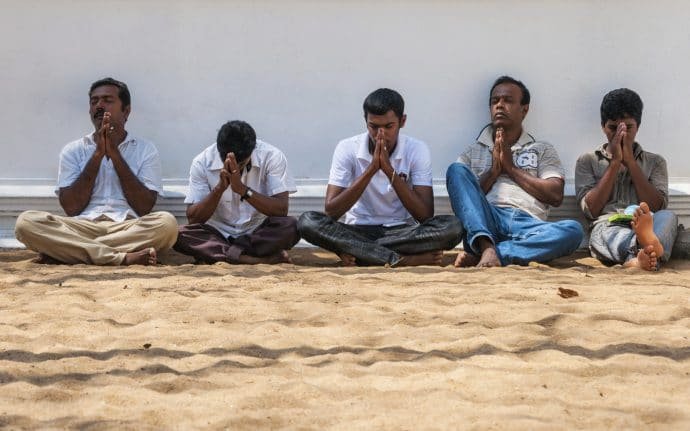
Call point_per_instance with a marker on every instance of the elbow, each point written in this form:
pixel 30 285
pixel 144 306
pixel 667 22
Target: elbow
pixel 557 200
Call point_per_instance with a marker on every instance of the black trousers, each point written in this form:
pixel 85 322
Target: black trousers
pixel 376 244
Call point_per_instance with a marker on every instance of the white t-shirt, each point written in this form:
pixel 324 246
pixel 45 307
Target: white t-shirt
pixel 268 175
pixel 108 198
pixel 379 204
pixel 538 159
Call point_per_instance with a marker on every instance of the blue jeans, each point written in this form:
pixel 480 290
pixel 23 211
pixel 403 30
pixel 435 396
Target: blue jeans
pixel 614 243
pixel 379 245
pixel 519 237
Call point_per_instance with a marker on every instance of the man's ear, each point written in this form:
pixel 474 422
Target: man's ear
pixel 525 109
pixel 403 119
pixel 126 111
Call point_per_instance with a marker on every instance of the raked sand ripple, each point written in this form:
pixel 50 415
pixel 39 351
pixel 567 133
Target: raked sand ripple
pixel 180 346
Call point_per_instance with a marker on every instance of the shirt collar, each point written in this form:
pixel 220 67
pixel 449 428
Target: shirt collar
pixel 129 139
pixel 486 138
pixel 363 148
pixel 602 151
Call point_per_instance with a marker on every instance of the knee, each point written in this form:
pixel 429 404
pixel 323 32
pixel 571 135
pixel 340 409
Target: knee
pixel 458 170
pixel 452 226
pixel 168 227
pixel 573 230
pixel 310 221
pixel 26 223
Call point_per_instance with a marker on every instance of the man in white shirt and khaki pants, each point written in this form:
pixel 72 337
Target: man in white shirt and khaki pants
pixel 108 182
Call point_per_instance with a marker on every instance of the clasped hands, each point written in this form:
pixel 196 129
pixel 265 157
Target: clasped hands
pixel 381 157
pixel 502 155
pixel 621 148
pixel 105 146
pixel 231 176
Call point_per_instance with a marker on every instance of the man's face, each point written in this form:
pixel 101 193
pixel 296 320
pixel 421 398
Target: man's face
pixel 106 99
pixel 389 123
pixel 611 126
pixel 506 110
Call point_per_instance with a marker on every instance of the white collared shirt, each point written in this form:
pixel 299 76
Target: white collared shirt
pixel 539 159
pixel 379 204
pixel 108 198
pixel 268 175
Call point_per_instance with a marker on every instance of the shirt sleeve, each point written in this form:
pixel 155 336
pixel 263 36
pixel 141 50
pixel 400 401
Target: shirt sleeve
pixel 550 165
pixel 70 167
pixel 585 180
pixel 150 172
pixel 342 169
pixel 420 168
pixel 278 179
pixel 659 179
pixel 198 187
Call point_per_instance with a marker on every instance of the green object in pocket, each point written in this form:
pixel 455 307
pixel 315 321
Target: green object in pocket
pixel 620 218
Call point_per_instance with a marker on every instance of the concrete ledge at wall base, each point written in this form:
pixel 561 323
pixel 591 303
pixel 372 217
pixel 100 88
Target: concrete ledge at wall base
pixel 17 196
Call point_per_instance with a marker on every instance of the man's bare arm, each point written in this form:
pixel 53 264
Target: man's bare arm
pixel 74 198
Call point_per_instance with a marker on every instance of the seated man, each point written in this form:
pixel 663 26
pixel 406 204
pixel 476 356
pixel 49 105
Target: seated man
pixel 381 181
pixel 238 201
pixel 108 182
pixel 502 186
pixel 619 174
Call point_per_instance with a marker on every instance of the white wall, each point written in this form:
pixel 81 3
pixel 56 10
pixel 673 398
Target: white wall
pixel 298 71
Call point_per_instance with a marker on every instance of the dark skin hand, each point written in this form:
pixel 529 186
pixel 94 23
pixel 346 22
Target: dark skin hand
pixel 231 176
pixel 622 156
pixel 418 201
pixel 549 191
pixel 108 137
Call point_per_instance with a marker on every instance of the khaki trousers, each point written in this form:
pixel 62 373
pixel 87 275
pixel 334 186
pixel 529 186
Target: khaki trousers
pixel 71 240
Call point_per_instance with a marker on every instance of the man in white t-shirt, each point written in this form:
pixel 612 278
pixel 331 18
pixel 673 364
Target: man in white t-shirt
pixel 108 182
pixel 501 188
pixel 381 181
pixel 238 201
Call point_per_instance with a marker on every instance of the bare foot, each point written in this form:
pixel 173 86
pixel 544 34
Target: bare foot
pixel 46 260
pixel 429 258
pixel 146 256
pixel 643 225
pixel 489 258
pixel 646 259
pixel 281 257
pixel 465 260
pixel 347 260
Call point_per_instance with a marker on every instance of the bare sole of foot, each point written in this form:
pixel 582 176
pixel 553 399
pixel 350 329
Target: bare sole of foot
pixel 646 259
pixel 141 257
pixel 281 257
pixel 44 259
pixel 489 258
pixel 643 225
pixel 466 260
pixel 429 258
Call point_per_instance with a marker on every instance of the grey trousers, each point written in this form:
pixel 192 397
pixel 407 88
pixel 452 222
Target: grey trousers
pixel 376 244
pixel 614 243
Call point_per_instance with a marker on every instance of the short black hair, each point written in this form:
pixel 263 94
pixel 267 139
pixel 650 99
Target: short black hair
pixel 505 79
pixel 383 100
pixel 236 137
pixel 123 91
pixel 620 103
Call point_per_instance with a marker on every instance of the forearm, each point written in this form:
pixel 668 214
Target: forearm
pixel 488 179
pixel 549 191
pixel 339 204
pixel 600 194
pixel 74 198
pixel 201 211
pixel 646 192
pixel 272 206
pixel 138 196
pixel 419 205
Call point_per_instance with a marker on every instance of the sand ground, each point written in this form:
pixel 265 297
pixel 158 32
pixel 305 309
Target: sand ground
pixel 313 346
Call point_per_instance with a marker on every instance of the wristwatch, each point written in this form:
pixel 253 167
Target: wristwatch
pixel 249 193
